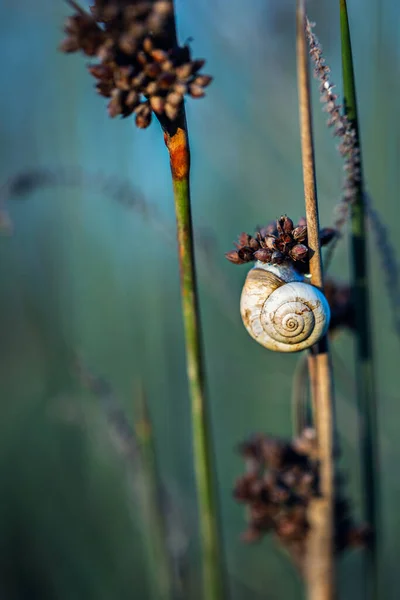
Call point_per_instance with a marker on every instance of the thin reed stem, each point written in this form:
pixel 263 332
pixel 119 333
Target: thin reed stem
pixel 162 577
pixel 176 140
pixel 320 570
pixel 137 448
pixel 366 392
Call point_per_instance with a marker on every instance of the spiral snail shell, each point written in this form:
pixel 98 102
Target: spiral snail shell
pixel 280 310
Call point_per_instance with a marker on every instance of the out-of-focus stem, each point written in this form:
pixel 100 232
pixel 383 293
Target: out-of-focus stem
pixel 161 577
pixel 366 391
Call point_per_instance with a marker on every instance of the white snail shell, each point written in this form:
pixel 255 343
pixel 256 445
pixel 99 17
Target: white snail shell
pixel 282 312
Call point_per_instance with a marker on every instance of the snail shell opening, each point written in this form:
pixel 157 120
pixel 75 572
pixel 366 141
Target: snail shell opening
pixel 284 317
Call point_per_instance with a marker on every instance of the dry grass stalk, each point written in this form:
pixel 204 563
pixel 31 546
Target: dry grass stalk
pixel 320 574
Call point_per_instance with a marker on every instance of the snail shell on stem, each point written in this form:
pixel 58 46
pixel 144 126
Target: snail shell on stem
pixel 280 310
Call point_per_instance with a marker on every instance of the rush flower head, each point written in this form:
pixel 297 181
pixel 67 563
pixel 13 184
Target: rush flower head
pixel 281 478
pixel 140 67
pixel 279 241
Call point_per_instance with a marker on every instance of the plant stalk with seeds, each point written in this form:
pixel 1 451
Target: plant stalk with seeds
pixel 142 69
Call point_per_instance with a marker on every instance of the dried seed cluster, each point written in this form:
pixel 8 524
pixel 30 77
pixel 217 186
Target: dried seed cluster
pixel 341 302
pixel 277 242
pixel 141 68
pixel 280 480
pixel 342 128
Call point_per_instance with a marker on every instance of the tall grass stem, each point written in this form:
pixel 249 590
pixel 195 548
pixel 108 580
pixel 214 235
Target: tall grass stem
pixel 366 391
pixel 176 140
pixel 162 580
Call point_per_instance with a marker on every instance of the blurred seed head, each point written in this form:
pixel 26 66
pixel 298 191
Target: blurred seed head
pixel 140 62
pixel 281 479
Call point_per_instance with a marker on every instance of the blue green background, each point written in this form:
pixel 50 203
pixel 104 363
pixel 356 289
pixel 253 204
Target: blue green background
pixel 83 274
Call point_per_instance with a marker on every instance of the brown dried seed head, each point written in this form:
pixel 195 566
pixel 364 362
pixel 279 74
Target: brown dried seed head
pixel 115 104
pixel 244 239
pixel 263 255
pixel 184 71
pixel 203 80
pixel 270 242
pixel 104 89
pixel 300 233
pixel 159 56
pixel 197 65
pixel 70 44
pixel 128 43
pixel 124 35
pixel 132 99
pixel 100 71
pixel 302 221
pixel 167 66
pixel 326 235
pixel 287 224
pixel 246 253
pixel 171 111
pixel 152 70
pixel 174 99
pixel 196 91
pixel 277 257
pixel 166 80
pixel 254 243
pixel 143 116
pixel 157 104
pixel 233 257
pixel 122 78
pixel 299 252
pixel 180 88
pixel 151 88
pixel 148 45
pixel 163 7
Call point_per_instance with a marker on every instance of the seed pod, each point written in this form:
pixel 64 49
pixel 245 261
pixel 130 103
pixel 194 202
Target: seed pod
pixel 277 257
pixel 233 257
pixel 184 71
pixel 263 255
pixel 246 253
pixel 174 99
pixel 299 252
pixel 203 80
pixel 196 91
pixel 244 239
pixel 171 111
pixel 115 104
pixel 300 233
pixel 254 243
pixel 287 224
pixel 157 104
pixel 326 235
pixel 270 242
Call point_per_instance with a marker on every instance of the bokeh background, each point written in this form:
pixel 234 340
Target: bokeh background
pixel 85 273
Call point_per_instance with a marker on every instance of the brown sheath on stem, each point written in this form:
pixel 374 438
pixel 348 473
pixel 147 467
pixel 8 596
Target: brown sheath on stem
pixel 176 140
pixel 319 567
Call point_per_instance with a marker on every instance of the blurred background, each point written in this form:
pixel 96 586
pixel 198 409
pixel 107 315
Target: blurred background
pixel 89 270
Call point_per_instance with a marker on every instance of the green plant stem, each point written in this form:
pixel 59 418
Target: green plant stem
pixel 161 576
pixel 176 140
pixel 320 562
pixel 364 364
